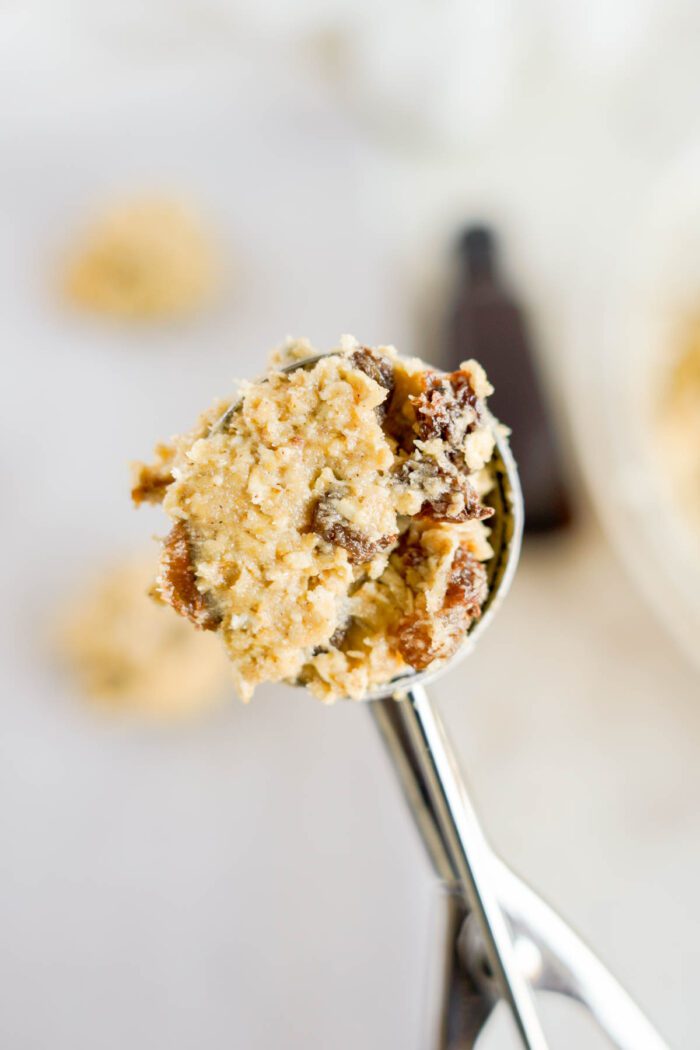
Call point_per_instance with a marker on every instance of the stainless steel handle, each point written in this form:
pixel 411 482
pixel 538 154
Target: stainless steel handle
pixel 469 857
pixel 557 960
pixel 562 962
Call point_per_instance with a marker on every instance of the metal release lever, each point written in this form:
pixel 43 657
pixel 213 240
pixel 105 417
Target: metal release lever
pixel 555 958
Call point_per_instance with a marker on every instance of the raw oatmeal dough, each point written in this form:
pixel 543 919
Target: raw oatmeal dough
pixel 330 525
pixel 148 258
pixel 130 653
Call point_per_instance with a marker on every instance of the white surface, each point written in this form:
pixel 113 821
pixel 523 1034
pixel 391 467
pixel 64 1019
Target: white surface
pixel 254 881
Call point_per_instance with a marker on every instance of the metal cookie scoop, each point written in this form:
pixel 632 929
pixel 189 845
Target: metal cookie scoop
pixel 504 941
pixel 531 947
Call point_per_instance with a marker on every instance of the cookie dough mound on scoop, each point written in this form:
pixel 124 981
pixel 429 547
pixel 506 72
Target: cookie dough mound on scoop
pixel 331 525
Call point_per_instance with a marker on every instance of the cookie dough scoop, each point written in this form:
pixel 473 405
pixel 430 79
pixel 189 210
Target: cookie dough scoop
pixel 502 941
pixel 397 536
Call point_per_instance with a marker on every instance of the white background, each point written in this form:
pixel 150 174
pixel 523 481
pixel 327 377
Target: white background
pixel 253 881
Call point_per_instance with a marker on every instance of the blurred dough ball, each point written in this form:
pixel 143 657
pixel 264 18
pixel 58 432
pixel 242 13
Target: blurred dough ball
pixel 679 426
pixel 149 258
pixel 130 653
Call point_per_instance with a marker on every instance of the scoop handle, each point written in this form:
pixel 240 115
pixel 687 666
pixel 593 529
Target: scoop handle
pixel 549 956
pixel 438 782
pixel 560 961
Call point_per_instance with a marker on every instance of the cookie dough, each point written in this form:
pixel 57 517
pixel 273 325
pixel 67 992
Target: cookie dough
pixel 147 259
pixel 329 522
pixel 129 653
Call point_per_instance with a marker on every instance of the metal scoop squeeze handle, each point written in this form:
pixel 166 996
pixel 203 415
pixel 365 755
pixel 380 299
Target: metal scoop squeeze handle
pixel 469 857
pixel 544 952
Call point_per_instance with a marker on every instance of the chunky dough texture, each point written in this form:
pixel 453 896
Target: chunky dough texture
pixel 328 522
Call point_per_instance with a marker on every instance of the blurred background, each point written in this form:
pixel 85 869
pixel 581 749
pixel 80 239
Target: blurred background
pixel 184 184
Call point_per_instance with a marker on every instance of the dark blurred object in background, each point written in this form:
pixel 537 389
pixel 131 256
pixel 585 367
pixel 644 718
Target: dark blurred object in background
pixel 487 324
